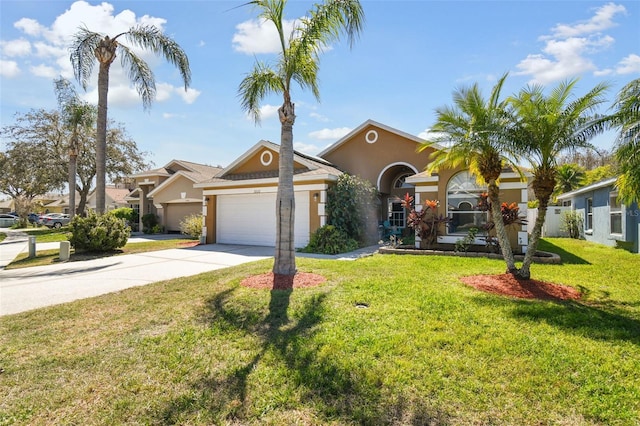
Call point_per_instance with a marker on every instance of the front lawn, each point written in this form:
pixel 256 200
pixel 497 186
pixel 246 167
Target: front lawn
pixel 427 349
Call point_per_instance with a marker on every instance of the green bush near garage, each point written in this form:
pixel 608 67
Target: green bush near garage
pixel 98 233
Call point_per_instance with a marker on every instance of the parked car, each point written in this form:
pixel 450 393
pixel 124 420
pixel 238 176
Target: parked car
pixel 33 217
pixel 7 220
pixel 55 220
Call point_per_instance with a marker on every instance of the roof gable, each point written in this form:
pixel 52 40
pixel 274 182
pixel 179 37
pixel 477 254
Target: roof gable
pixel 262 160
pixel 370 138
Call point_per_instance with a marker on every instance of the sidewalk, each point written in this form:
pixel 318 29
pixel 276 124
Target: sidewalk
pixel 31 288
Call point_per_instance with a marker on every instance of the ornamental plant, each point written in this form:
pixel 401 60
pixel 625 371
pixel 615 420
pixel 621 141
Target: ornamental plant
pixel 98 233
pixel 426 222
pixel 510 216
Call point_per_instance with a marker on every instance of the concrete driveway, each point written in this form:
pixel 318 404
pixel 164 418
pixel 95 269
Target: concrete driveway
pixel 30 288
pixel 39 286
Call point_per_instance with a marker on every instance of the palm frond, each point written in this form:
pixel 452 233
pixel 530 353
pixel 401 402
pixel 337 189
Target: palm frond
pixel 151 38
pixel 140 75
pixel 82 54
pixel 256 85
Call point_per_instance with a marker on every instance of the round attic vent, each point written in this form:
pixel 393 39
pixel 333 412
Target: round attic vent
pixel 371 136
pixel 266 158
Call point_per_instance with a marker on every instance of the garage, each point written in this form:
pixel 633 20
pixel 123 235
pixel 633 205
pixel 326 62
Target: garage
pixel 175 213
pixel 251 219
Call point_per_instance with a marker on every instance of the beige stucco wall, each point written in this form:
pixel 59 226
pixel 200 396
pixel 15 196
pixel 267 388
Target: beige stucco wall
pixel 368 160
pixel 173 191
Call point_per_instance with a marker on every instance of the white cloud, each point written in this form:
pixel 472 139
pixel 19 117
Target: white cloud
pixel 319 117
pixel 330 134
pixel 254 36
pixel 30 26
pixel 428 134
pixel 169 116
pixel 43 71
pixel 44 50
pixel 628 65
pixel 306 148
pixel 602 20
pixel 189 96
pixel 9 69
pixel 268 111
pixel 569 50
pixel 13 48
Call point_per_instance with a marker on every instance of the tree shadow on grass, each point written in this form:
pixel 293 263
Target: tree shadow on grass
pixel 606 322
pixel 326 387
pixel 567 257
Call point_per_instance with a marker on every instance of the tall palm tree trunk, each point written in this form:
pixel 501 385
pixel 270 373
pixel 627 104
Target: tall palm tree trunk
pixel 501 231
pixel 73 159
pixel 101 137
pixel 285 261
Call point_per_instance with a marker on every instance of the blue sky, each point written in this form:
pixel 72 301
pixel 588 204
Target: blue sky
pixel 409 59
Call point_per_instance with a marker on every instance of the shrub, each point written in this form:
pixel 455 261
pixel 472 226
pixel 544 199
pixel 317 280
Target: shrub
pixel 149 223
pixel 330 240
pixel 98 233
pixel 351 208
pixel 426 223
pixel 126 213
pixel 192 225
pixel 464 244
pixel 572 223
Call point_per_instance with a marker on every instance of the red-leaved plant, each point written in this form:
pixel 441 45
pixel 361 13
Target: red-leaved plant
pixel 426 223
pixel 510 216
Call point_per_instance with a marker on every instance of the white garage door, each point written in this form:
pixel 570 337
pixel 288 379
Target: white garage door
pixel 251 219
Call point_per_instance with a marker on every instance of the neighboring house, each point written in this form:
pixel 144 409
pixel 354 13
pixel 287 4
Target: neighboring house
pixel 6 206
pixel 239 201
pixel 114 198
pixel 605 219
pixel 169 192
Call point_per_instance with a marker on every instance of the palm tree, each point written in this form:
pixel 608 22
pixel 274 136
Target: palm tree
pixel 544 127
pixel 76 115
pixel 89 46
pixel 626 118
pixel 568 177
pixel 473 130
pixel 298 61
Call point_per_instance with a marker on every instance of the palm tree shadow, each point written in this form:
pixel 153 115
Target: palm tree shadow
pixel 336 391
pixel 604 321
pixel 567 257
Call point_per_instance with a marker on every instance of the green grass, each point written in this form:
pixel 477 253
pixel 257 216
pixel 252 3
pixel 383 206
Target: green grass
pixel 428 349
pixel 3 236
pixel 48 257
pixel 48 235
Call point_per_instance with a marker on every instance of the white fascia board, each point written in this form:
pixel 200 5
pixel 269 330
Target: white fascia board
pixel 597 185
pixel 268 181
pixel 422 179
pixel 513 185
pixel 262 189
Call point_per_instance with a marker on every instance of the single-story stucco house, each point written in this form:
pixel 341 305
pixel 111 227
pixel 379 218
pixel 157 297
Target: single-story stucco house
pixel 169 192
pixel 605 219
pixel 239 200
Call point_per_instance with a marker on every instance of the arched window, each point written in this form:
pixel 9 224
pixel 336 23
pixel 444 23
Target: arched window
pixel 400 181
pixel 463 194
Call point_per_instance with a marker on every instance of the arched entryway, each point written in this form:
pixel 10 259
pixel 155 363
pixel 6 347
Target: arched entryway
pixel 392 187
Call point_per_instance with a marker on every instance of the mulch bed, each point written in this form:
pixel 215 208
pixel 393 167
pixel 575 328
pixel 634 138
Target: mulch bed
pixel 283 282
pixel 508 285
pixel 505 285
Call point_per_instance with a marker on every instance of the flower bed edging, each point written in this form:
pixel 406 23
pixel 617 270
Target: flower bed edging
pixel 548 258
